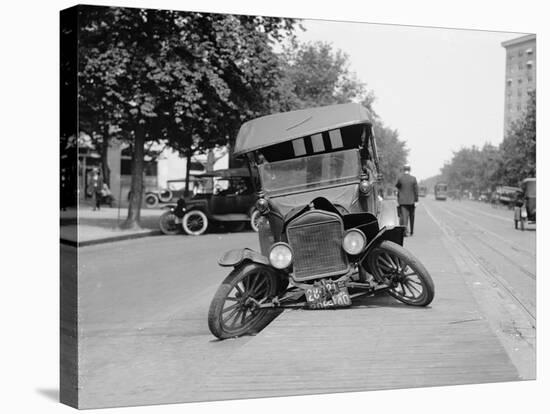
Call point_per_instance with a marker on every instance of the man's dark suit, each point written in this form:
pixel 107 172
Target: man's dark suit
pixel 407 196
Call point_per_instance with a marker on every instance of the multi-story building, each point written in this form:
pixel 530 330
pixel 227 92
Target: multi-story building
pixel 520 76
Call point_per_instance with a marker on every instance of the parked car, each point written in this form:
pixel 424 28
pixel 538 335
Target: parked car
pixel 173 191
pixel 321 245
pixel 525 210
pixel 507 195
pixel 223 197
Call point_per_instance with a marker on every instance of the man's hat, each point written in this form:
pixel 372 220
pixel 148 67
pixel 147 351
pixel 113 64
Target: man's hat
pixel 407 167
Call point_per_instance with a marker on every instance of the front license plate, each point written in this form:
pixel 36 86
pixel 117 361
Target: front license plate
pixel 319 298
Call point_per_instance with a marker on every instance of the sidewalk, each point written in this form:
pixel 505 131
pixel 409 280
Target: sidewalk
pixel 86 226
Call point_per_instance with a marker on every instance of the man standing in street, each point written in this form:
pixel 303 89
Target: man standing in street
pixel 407 195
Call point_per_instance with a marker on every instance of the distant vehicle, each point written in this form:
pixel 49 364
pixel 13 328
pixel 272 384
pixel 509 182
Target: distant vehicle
pixel 525 210
pixel 422 191
pixel 507 195
pixel 223 197
pixel 440 191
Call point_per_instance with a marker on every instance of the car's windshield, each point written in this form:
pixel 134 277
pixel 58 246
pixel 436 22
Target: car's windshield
pixel 308 173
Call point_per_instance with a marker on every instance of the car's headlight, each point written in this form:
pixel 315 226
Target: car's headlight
pixel 354 241
pixel 280 256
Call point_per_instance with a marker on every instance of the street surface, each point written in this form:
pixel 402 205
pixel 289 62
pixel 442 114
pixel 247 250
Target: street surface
pixel 144 337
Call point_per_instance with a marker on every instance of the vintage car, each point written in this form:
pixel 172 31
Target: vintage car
pixel 506 195
pixel 321 246
pixel 440 191
pixel 525 210
pixel 173 191
pixel 223 197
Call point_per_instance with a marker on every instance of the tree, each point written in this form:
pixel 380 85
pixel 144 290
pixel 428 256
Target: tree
pixel 317 75
pixel 187 79
pixel 392 151
pixel 518 149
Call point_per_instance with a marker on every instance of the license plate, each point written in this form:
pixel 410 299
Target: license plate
pixel 321 297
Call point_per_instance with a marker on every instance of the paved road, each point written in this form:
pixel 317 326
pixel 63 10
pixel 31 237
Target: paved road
pixel 144 337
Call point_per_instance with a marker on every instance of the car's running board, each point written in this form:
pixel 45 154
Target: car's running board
pixel 230 217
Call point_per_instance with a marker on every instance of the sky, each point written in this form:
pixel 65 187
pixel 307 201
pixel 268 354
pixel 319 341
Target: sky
pixel 442 89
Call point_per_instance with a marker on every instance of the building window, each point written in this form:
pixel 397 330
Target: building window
pixel 520 52
pixel 520 81
pixel 520 66
pixel 529 51
pixel 529 64
pixel 529 79
pixel 509 82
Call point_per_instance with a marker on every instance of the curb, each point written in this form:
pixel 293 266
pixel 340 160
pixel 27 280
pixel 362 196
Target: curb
pixel 110 239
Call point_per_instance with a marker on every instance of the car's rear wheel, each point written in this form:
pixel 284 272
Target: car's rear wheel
pixel 409 280
pixel 195 222
pixel 234 310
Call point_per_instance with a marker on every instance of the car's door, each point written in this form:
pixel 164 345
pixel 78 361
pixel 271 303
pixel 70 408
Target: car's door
pixel 244 195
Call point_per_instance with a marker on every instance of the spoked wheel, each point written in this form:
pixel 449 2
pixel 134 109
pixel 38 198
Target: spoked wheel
pixel 168 223
pixel 234 310
pixel 195 222
pixel 411 283
pixel 151 200
pixel 255 218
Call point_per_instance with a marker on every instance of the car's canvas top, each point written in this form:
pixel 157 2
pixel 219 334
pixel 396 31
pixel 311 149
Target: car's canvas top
pixel 286 126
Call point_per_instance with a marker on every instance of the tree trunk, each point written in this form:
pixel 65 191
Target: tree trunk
pixel 187 170
pixel 136 186
pixel 105 170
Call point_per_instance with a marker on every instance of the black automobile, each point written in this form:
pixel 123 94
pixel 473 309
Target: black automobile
pixel 220 198
pixel 525 210
pixel 321 243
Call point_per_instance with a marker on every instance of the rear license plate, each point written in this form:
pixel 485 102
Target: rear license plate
pixel 321 297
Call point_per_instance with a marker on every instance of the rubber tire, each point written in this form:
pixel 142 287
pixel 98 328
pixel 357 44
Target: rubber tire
pixel 414 263
pixel 167 198
pixel 164 229
pixel 186 218
pixel 264 317
pixel 255 218
pixel 151 200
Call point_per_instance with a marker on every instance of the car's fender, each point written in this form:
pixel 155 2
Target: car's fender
pixel 235 257
pixel 391 233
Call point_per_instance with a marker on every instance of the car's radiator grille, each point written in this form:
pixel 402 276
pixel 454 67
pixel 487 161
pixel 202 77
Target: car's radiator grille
pixel 317 248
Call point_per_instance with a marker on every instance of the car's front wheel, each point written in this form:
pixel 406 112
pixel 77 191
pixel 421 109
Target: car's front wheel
pixel 195 222
pixel 409 280
pixel 255 218
pixel 234 310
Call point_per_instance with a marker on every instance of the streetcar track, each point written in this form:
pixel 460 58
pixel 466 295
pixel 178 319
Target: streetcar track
pixel 512 262
pixel 512 245
pixel 448 231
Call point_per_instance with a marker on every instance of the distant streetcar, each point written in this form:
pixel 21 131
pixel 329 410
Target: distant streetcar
pixel 440 191
pixel 422 191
